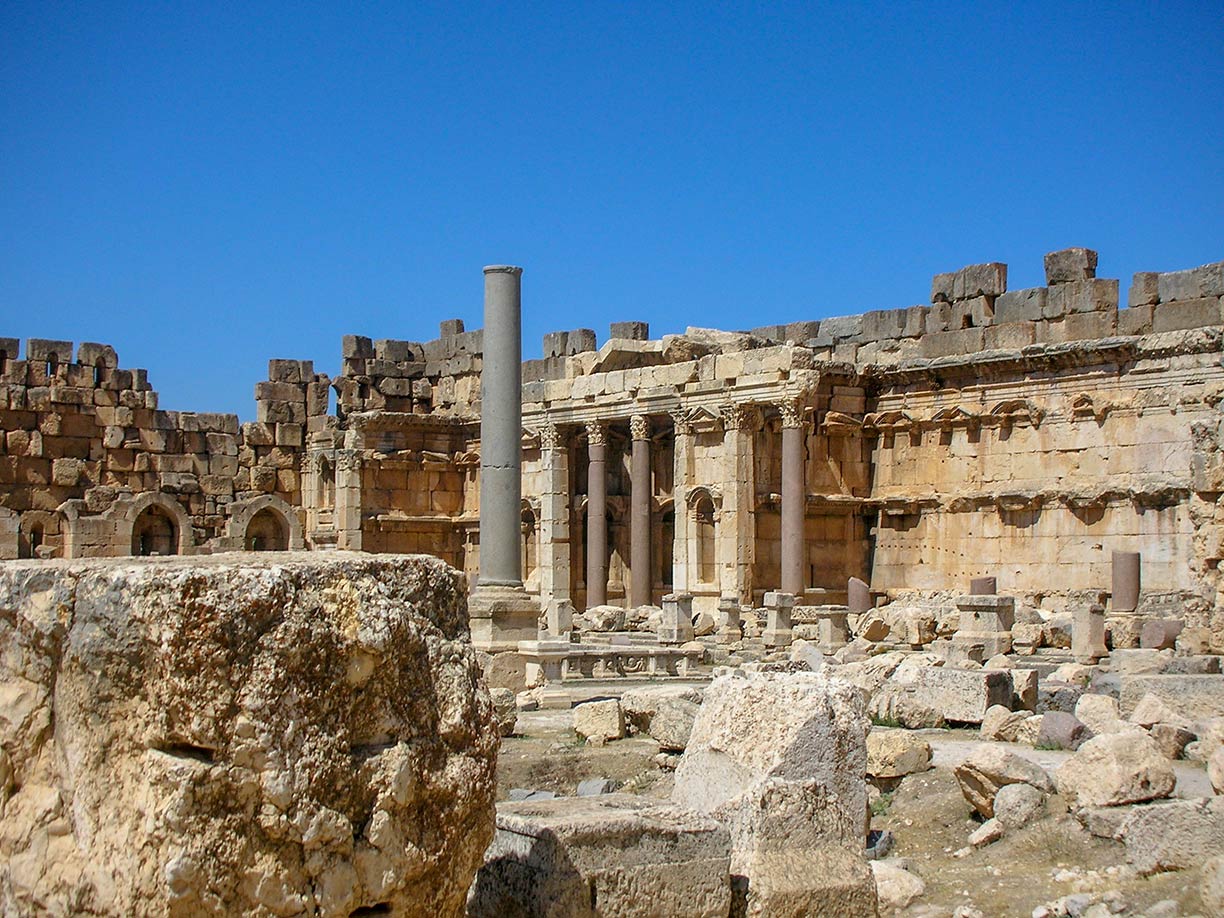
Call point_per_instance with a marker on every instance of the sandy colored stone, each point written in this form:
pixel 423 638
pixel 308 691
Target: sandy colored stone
pixel 896 753
pixel 1115 769
pixel 1002 723
pixel 242 734
pixel 612 854
pixel 599 721
pixel 988 768
pixel 896 887
pixel 1174 836
pixel 780 758
pixel 1016 805
pixel 1215 770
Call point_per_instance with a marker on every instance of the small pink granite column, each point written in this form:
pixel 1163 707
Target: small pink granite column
pixel 597 516
pixel 639 531
pixel 793 500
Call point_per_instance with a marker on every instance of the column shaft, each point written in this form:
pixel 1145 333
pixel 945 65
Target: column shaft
pixel 597 518
pixel 794 498
pixel 501 430
pixel 639 534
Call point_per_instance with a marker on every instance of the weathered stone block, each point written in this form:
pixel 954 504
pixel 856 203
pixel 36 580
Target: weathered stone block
pixel 449 327
pixel 953 343
pixel 172 682
pixel 1192 697
pixel 634 331
pixel 1144 289
pixel 988 279
pixel 1067 265
pixel 842 328
pixel 613 854
pixel 1027 305
pixel 1137 320
pixel 42 350
pixel 1010 337
pixel 1189 313
pixel 959 695
pixel 943 287
pixel 356 346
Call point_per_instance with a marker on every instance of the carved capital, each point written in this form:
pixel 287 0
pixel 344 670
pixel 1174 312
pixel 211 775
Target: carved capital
pixel 550 438
pixel 792 413
pixel 347 460
pixel 597 433
pixel 683 422
pixel 639 427
pixel 738 417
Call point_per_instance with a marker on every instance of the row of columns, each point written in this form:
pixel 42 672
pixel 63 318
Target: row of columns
pixel 739 424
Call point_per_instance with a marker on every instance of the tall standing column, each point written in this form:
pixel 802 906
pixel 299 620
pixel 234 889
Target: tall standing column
pixel 794 498
pixel 500 612
pixel 736 530
pixel 681 473
pixel 554 516
pixel 501 425
pixel 597 515
pixel 639 533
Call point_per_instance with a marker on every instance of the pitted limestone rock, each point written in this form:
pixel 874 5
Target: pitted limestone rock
pixel 273 734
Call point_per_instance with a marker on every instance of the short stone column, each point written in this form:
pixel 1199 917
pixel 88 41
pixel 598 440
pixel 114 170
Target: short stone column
pixel 728 620
pixel 1088 633
pixel 985 626
pixel 676 626
pixel 832 630
pixel 858 596
pixel 1126 582
pixel 559 619
pixel 500 611
pixel 639 511
pixel 778 606
pixel 597 516
pixel 794 500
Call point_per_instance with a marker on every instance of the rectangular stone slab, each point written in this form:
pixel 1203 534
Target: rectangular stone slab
pixel 961 695
pixel 1195 697
pixel 616 854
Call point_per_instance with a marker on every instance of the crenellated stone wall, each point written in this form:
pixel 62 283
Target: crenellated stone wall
pixel 1024 434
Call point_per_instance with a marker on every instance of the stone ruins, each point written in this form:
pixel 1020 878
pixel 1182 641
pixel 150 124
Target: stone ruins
pixel 918 612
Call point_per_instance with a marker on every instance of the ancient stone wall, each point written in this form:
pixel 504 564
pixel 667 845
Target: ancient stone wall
pixel 1025 434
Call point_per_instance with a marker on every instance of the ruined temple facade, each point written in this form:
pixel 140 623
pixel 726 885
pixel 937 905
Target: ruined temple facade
pixel 1024 435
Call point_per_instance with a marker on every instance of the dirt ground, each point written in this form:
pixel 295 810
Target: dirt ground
pixel 926 813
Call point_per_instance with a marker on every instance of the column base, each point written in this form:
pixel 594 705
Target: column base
pixel 502 615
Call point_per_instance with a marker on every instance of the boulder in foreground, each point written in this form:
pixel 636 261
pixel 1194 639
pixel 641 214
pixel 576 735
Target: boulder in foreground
pixel 271 734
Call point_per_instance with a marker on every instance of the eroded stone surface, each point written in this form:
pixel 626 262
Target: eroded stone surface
pixel 271 734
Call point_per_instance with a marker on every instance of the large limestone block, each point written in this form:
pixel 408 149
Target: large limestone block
pixel 988 768
pixel 263 734
pixel 615 854
pixel 960 695
pixel 599 721
pixel 1192 697
pixel 1116 769
pixel 896 753
pixel 1174 836
pixel 780 758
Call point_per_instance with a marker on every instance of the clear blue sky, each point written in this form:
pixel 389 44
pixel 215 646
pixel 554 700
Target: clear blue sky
pixel 206 186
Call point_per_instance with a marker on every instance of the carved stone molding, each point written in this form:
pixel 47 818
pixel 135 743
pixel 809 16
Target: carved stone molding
pixel 639 427
pixel 739 417
pixel 550 438
pixel 792 413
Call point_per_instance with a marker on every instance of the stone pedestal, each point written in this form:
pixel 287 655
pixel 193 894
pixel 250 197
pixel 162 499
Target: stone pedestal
pixel 728 619
pixel 858 596
pixel 501 616
pixel 986 620
pixel 832 630
pixel 545 666
pixel 677 624
pixel 778 608
pixel 1088 633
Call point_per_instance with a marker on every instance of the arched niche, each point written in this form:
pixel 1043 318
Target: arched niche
pixel 264 523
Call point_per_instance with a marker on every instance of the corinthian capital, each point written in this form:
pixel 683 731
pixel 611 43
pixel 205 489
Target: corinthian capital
pixel 639 427
pixel 597 433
